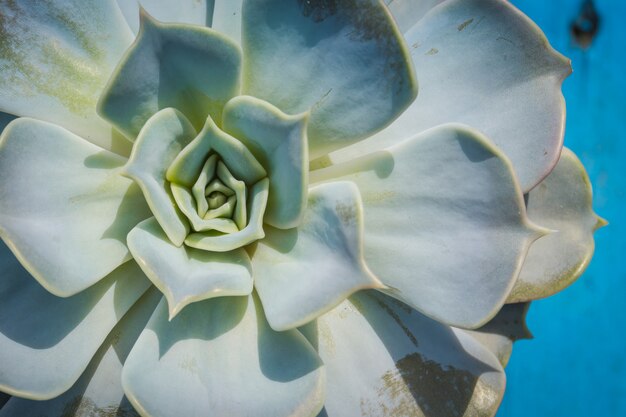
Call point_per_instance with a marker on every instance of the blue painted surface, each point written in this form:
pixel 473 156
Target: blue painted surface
pixel 575 366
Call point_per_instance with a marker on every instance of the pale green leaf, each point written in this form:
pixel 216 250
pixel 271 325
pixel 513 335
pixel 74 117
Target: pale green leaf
pixel 65 208
pixel 221 356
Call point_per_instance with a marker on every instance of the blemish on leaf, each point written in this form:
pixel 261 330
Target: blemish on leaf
pixel 69 68
pixel 321 101
pixel 433 51
pixel 422 387
pixel 502 38
pixel 375 197
pixel 189 364
pixel 465 24
pixel 319 163
pixel 84 406
pixel 346 213
pixel 398 321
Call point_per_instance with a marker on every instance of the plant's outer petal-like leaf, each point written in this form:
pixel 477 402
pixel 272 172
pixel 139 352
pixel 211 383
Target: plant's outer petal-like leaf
pixel 445 225
pixel 384 359
pixel 344 61
pixel 221 356
pixel 48 341
pixel 159 142
pixel 193 12
pixel 408 12
pixel 484 64
pixel 98 392
pixel 65 210
pixel 506 328
pixel 56 57
pixel 227 18
pixel 191 68
pixel 302 273
pixel 561 202
pixel 278 141
pixel 186 275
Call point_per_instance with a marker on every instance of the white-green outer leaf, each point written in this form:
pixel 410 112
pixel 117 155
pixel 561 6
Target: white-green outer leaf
pixel 191 68
pixel 186 275
pixel 220 356
pixel 47 341
pixel 302 273
pixel 98 392
pixel 345 61
pixel 445 224
pixel 56 57
pixel 385 360
pixel 65 208
pixel 562 202
pixel 485 64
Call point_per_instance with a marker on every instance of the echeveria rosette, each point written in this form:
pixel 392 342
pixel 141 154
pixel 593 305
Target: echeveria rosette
pixel 249 253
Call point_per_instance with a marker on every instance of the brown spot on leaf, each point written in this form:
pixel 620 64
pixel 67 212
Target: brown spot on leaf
pixel 398 321
pixel 421 387
pixel 347 213
pixel 86 407
pixel 464 24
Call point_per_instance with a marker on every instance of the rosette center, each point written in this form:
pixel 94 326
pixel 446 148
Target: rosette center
pixel 217 201
pixel 220 188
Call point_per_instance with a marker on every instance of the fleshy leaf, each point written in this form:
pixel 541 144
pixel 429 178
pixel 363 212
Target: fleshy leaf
pixel 484 64
pixel 54 338
pixel 197 190
pixel 253 230
pixel 193 12
pixel 186 204
pixel 302 273
pixel 225 210
pixel 344 61
pixel 384 359
pixel 239 187
pixel 98 392
pixel 56 57
pixel 191 68
pixel 506 328
pixel 278 141
pixel 65 210
pixel 162 138
pixel 407 13
pixel 221 355
pixel 445 225
pixel 227 18
pixel 561 202
pixel 186 275
pixel 188 164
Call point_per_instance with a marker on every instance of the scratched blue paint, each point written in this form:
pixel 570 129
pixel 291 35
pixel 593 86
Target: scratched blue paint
pixel 575 366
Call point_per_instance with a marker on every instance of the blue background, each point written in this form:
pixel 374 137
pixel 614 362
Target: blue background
pixel 575 365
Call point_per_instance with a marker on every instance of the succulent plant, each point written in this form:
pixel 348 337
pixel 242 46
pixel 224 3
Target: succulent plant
pixel 250 210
